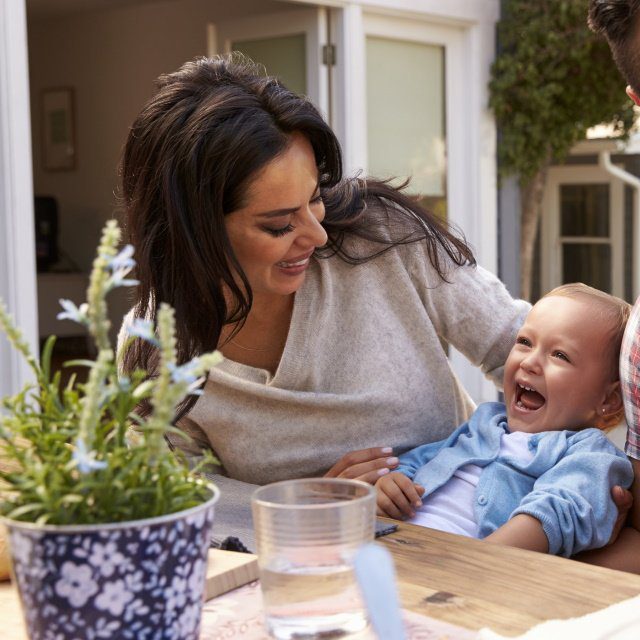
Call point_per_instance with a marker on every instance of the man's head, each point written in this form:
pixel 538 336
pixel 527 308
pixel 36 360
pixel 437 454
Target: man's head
pixel 562 373
pixel 619 22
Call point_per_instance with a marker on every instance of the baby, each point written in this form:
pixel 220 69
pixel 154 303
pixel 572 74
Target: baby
pixel 537 471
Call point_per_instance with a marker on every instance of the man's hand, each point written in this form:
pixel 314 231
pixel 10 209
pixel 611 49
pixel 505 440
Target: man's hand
pixel 623 500
pixel 367 465
pixel 397 496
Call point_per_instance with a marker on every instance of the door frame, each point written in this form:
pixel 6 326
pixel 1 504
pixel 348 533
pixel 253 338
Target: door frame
pixel 17 245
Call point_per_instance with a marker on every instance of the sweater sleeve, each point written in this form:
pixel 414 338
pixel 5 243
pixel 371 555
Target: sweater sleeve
pixel 472 310
pixel 573 500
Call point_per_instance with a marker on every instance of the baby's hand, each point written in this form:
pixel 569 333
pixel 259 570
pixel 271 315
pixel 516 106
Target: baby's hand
pixel 397 497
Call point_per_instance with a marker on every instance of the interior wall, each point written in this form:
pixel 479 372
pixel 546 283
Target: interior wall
pixel 111 59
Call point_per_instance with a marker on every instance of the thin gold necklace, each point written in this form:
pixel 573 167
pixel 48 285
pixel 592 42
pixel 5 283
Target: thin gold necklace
pixel 237 344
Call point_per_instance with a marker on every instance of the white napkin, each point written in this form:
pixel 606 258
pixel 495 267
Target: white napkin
pixel 620 621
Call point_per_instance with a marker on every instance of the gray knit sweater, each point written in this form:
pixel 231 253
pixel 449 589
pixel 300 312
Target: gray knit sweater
pixel 363 366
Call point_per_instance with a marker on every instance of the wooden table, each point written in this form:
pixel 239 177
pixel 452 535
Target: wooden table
pixel 474 584
pixel 466 582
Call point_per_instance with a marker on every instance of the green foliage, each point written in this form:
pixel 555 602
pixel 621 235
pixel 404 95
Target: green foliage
pixel 552 80
pixel 68 455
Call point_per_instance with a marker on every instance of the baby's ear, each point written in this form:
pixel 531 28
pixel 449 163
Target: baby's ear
pixel 612 409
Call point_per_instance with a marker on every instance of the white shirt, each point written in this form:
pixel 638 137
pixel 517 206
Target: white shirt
pixel 451 507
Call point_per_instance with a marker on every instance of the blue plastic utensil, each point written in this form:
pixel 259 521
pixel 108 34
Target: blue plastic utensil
pixel 376 577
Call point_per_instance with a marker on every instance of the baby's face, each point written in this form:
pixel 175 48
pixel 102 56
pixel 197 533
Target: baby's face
pixel 557 374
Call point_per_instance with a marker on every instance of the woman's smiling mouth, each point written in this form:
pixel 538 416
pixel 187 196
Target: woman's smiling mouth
pixel 295 266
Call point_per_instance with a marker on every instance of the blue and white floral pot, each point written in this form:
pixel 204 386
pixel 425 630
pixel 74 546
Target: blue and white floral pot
pixel 142 579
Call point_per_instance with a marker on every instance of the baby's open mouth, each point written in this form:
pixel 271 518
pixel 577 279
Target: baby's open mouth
pixel 528 398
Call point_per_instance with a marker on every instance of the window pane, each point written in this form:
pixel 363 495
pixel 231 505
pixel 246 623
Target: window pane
pixel 588 263
pixel 584 210
pixel 405 113
pixel 284 57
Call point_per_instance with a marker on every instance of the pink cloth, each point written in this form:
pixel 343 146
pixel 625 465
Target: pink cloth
pixel 238 614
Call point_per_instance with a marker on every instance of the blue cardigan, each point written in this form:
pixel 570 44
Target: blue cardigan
pixel 566 486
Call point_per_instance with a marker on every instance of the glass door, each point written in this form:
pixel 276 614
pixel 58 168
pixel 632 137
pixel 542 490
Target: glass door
pixel 406 131
pixel 289 44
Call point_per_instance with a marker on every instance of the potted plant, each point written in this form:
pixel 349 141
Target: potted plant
pixel 108 533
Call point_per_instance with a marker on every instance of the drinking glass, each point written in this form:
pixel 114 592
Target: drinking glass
pixel 307 532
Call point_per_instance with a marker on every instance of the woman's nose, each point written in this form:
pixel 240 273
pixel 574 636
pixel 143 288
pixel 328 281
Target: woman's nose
pixel 312 230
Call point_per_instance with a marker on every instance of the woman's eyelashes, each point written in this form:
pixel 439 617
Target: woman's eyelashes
pixel 282 231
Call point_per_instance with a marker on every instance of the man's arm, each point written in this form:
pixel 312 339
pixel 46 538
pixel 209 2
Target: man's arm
pixel 635 492
pixel 575 512
pixel 522 531
pixel 624 553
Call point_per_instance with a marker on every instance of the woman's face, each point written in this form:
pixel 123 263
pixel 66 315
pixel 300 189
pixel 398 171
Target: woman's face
pixel 274 234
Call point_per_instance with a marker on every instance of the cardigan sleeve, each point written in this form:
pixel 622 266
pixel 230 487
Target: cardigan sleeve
pixel 472 310
pixel 572 500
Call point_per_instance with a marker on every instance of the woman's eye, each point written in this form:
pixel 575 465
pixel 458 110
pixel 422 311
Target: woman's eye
pixel 561 356
pixel 282 231
pixel 524 341
pixel 317 199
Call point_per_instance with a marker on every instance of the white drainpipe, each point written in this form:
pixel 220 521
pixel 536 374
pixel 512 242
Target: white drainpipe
pixel 633 181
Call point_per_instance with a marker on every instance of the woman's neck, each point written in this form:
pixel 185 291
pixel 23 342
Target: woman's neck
pixel 260 341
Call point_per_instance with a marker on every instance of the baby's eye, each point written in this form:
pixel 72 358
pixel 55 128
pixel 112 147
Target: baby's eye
pixel 524 341
pixel 561 356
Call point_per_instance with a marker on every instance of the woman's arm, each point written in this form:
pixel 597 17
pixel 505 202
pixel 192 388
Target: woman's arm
pixel 472 311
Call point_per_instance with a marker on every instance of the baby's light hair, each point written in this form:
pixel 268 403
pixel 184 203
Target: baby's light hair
pixel 615 312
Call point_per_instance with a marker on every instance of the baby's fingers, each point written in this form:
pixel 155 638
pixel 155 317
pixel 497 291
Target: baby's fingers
pixel 396 488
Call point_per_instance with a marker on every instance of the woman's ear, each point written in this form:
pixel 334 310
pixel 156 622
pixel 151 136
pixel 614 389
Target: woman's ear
pixel 610 410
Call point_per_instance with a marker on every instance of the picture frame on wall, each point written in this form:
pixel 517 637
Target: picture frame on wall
pixel 58 129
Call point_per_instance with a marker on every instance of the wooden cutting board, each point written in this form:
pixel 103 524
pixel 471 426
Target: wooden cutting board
pixel 227 570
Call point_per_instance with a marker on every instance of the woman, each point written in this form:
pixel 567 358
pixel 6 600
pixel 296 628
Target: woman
pixel 327 296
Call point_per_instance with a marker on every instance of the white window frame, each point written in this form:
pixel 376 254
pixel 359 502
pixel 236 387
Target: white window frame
pixel 551 247
pixel 468 39
pixel 17 246
pixel 312 22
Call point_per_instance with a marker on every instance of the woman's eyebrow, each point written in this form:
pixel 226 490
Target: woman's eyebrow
pixel 277 213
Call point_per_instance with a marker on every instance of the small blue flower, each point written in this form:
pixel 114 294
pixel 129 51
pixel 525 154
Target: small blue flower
pixel 117 280
pixel 143 329
pixel 124 260
pixel 186 372
pixel 120 266
pixel 189 375
pixel 86 459
pixel 71 312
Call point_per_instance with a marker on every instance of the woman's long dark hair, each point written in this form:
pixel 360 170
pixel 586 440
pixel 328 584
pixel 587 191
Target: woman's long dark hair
pixel 188 160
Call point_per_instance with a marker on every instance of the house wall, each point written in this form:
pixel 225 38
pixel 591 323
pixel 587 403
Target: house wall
pixel 111 59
